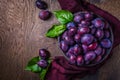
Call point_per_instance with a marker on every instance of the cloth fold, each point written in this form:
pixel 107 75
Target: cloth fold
pixel 60 69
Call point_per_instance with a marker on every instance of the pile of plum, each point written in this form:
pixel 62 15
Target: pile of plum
pixel 44 55
pixel 87 40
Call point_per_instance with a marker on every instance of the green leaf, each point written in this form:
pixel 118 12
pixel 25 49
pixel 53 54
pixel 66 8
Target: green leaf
pixel 55 31
pixel 63 16
pixel 44 71
pixel 43 74
pixel 32 65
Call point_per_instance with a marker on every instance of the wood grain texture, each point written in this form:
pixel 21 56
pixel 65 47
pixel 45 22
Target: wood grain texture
pixel 22 33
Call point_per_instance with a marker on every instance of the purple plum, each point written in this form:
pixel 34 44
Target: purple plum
pixel 90 56
pixel 99 34
pixel 83 22
pixel 88 16
pixel 70 52
pixel 98 23
pixel 87 39
pixel 97 59
pixel 69 40
pixel 85 48
pixel 72 59
pixel 78 18
pixel 103 52
pixel 42 63
pixel 107 33
pixel 44 54
pixel 83 30
pixel 72 31
pixel 64 35
pixel 98 50
pixel 64 46
pixel 71 24
pixel 106 43
pixel 44 14
pixel 80 60
pixel 77 49
pixel 93 30
pixel 77 38
pixel 41 4
pixel 93 46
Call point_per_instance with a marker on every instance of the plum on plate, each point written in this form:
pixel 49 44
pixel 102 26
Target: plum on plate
pixel 87 39
pixel 90 56
pixel 64 46
pixel 83 30
pixel 80 60
pixel 78 18
pixel 72 31
pixel 106 43
pixel 71 24
pixel 72 59
pixel 98 23
pixel 77 49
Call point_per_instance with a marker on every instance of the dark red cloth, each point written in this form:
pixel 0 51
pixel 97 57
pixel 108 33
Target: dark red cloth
pixel 60 69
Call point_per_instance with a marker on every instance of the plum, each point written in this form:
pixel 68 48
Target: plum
pixel 103 52
pixel 71 24
pixel 77 38
pixel 77 49
pixel 87 39
pixel 98 59
pixel 85 48
pixel 42 63
pixel 93 30
pixel 98 23
pixel 107 34
pixel 44 14
pixel 64 46
pixel 83 30
pixel 44 54
pixel 88 16
pixel 106 43
pixel 90 56
pixel 93 46
pixel 69 40
pixel 64 35
pixel 72 59
pixel 84 22
pixel 72 31
pixel 98 50
pixel 80 60
pixel 99 34
pixel 78 18
pixel 41 4
pixel 70 52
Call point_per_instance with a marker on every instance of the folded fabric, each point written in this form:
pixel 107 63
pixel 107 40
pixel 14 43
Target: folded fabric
pixel 60 69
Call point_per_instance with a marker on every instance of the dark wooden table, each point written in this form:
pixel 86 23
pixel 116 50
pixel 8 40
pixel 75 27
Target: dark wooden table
pixel 22 34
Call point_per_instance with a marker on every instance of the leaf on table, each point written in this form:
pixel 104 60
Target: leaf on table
pixel 55 31
pixel 63 16
pixel 32 65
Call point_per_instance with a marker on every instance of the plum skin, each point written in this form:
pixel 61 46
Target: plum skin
pixel 42 63
pixel 44 54
pixel 44 15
